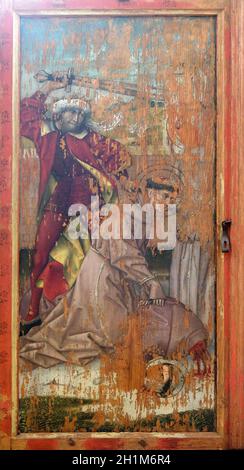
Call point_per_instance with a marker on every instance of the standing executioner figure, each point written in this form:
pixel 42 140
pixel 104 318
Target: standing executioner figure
pixel 75 163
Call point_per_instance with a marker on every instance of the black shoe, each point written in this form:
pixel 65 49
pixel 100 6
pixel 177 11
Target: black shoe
pixel 25 326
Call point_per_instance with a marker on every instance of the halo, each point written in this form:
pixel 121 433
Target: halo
pixel 181 371
pixel 162 171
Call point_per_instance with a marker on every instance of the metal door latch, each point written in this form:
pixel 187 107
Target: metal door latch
pixel 225 238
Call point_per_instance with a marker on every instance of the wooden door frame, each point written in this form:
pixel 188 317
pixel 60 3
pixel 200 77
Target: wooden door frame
pixel 230 204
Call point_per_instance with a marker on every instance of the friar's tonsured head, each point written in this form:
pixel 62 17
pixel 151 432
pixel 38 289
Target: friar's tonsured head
pixel 162 183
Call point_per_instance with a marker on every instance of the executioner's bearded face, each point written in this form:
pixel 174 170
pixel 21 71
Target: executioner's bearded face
pixel 70 116
pixel 70 120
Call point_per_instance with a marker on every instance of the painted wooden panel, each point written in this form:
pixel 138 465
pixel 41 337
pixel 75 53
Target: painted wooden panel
pixel 229 91
pixel 152 105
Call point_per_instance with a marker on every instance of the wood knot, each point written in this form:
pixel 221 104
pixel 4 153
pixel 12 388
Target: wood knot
pixel 71 441
pixel 142 443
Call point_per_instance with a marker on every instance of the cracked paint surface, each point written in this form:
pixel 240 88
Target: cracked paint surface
pixel 168 66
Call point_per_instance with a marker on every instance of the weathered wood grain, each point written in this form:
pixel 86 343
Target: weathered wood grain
pixel 235 429
pixel 126 441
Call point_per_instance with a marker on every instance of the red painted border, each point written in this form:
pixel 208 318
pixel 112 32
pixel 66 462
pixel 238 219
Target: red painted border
pixel 5 223
pixel 236 317
pixel 113 4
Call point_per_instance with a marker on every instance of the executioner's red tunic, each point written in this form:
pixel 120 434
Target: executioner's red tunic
pixel 60 155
